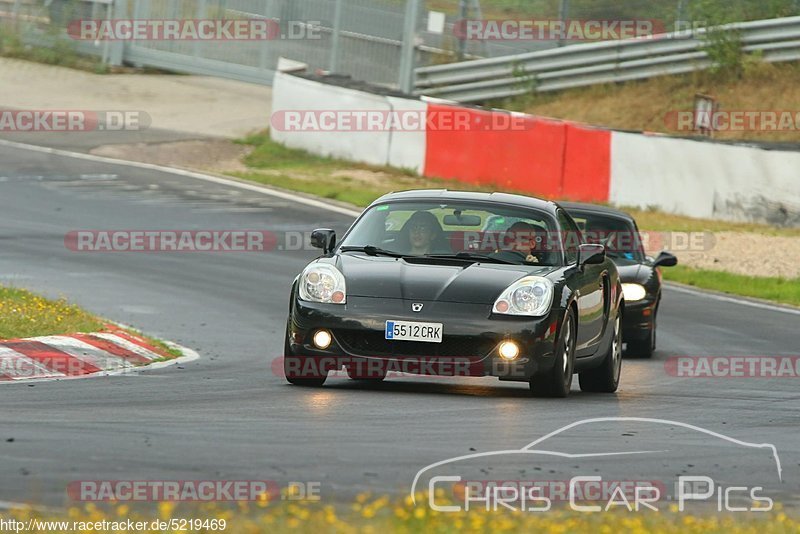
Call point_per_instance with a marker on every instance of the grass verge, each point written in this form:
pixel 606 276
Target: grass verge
pixel 651 105
pixel 783 290
pixel 657 221
pixel 25 314
pixel 271 163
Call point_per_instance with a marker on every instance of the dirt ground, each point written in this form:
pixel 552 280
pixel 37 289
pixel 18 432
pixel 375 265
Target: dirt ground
pixel 199 105
pixel 217 156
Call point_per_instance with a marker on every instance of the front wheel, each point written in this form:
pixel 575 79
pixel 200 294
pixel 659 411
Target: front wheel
pixel 290 366
pixel 642 349
pixel 558 381
pixel 293 368
pixel 605 379
pixel 646 347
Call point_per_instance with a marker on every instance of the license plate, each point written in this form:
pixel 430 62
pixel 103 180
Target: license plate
pixel 414 331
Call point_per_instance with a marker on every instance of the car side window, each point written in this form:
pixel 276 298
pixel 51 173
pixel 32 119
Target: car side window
pixel 572 237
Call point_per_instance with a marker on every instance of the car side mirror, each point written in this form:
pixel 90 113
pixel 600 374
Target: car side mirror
pixel 323 238
pixel 665 259
pixel 591 254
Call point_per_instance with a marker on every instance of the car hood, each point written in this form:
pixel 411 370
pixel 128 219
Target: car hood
pixel 628 272
pixel 391 278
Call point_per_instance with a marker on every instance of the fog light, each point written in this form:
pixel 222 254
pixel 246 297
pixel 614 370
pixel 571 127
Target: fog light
pixel 509 350
pixel 322 339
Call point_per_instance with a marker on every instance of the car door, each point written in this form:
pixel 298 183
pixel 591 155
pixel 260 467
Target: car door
pixel 590 284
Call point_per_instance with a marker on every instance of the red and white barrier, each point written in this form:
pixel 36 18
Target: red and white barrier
pixel 74 355
pixel 553 158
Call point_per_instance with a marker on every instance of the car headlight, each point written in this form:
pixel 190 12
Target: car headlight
pixel 531 295
pixel 633 292
pixel 322 282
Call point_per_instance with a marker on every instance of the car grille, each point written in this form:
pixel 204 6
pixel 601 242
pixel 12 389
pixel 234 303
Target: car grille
pixel 363 343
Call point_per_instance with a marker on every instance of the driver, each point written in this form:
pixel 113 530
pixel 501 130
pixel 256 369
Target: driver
pixel 525 240
pixel 422 233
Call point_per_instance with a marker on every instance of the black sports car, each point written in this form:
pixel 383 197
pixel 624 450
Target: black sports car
pixel 455 283
pixel 640 275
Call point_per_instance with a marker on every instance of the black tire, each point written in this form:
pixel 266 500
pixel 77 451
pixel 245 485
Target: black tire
pixel 605 379
pixel 642 349
pixel 292 362
pixel 558 381
pixel 646 347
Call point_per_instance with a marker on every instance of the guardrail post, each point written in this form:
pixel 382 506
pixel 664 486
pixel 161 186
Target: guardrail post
pixel 201 13
pixel 406 81
pixel 118 9
pixel 563 15
pixel 680 14
pixel 263 47
pixel 462 16
pixel 336 36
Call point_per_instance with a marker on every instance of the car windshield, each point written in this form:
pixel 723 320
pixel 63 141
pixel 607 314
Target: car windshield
pixel 467 231
pixel 620 237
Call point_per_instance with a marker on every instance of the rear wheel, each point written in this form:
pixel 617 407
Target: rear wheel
pixel 605 379
pixel 293 368
pixel 558 381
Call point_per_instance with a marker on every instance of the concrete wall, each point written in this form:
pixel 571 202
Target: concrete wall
pixel 707 180
pixel 399 149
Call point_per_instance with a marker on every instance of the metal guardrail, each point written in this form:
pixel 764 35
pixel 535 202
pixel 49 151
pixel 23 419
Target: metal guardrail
pixel 597 63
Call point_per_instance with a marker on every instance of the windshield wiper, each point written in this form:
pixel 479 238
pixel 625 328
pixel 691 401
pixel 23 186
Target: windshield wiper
pixel 472 256
pixel 370 250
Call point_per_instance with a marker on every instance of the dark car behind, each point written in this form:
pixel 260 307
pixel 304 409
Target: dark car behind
pixel 640 274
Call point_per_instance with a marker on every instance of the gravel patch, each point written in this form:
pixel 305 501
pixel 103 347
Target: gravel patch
pixel 748 254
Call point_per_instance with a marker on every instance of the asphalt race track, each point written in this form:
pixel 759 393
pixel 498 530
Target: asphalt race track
pixel 228 416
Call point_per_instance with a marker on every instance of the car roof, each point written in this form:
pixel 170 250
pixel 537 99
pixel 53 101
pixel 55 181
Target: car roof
pixel 596 209
pixel 448 195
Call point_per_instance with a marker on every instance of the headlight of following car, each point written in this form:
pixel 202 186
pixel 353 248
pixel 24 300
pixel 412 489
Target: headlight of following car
pixel 633 292
pixel 531 295
pixel 322 282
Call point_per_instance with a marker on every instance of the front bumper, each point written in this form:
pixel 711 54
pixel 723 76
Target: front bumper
pixel 638 320
pixel 471 337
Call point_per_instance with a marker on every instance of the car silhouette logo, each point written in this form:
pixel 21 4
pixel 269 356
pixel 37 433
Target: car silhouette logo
pixel 416 307
pixel 533 447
